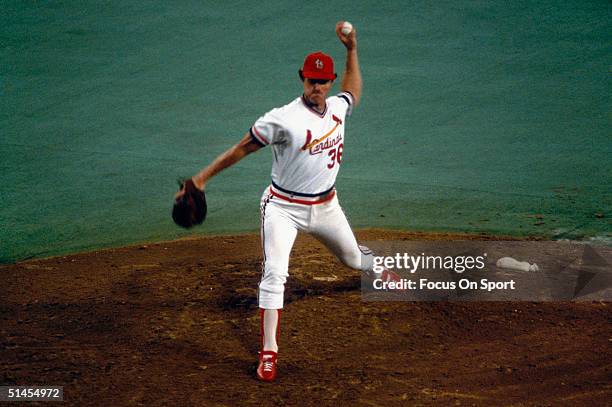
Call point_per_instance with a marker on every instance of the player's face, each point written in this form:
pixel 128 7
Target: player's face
pixel 316 90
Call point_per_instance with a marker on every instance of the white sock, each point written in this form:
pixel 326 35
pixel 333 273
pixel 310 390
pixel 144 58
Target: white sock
pixel 270 329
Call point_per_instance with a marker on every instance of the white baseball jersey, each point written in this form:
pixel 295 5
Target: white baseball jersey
pixel 307 146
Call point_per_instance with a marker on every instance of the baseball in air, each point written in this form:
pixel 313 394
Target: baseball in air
pixel 346 28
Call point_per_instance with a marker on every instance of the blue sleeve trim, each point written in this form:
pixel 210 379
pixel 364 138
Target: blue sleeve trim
pixel 255 138
pixel 352 97
pixel 345 98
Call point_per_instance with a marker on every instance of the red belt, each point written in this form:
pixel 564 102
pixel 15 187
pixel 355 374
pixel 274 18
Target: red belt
pixel 318 200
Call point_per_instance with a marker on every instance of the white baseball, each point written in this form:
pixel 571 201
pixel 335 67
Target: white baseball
pixel 346 28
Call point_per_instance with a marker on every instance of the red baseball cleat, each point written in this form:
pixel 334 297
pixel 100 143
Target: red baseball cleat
pixel 388 276
pixel 266 371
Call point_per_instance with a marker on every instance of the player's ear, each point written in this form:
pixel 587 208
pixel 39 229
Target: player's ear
pixel 301 75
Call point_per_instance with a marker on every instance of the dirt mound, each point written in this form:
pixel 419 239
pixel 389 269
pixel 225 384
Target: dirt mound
pixel 176 324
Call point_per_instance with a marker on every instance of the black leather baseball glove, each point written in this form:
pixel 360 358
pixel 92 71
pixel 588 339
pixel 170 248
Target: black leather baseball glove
pixel 189 205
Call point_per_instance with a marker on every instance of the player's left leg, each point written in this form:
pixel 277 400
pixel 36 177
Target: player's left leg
pixel 330 226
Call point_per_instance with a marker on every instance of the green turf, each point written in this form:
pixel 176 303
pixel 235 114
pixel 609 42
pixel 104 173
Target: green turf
pixel 487 116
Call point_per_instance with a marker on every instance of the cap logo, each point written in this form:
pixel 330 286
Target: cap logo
pixel 319 64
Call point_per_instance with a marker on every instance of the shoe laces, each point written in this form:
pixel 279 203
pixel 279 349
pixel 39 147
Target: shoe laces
pixel 267 365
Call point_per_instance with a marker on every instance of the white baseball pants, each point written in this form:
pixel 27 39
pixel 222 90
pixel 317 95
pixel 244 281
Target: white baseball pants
pixel 281 219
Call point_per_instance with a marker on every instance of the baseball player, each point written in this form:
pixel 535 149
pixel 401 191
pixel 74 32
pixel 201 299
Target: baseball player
pixel 307 138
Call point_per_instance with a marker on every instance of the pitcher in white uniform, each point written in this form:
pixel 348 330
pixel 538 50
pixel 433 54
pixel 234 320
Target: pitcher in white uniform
pixel 307 138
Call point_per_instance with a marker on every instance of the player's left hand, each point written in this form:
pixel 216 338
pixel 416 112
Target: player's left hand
pixel 350 40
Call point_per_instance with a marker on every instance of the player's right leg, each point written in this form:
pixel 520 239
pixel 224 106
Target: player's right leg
pixel 278 233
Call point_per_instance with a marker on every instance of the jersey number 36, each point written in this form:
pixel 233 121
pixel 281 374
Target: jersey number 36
pixel 335 155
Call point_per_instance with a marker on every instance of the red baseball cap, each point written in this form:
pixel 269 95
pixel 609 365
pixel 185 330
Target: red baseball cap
pixel 318 66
